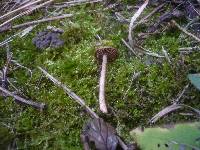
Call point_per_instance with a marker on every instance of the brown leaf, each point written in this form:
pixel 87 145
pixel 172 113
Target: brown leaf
pixel 102 134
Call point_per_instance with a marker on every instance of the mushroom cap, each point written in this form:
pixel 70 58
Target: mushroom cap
pixel 109 51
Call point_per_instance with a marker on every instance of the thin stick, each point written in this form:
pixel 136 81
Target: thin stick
pixel 20 8
pixel 75 3
pixel 6 67
pixel 21 33
pixel 148 52
pixel 170 109
pixel 102 102
pixel 166 55
pixel 40 106
pixel 153 12
pixel 181 94
pixel 143 20
pixel 25 12
pixel 69 92
pixel 133 19
pixel 192 22
pixel 21 66
pixel 121 18
pixel 42 20
pixel 122 144
pixel 185 31
pixel 141 50
pixel 129 47
pixel 189 48
pixel 24 2
pixel 11 84
pixel 153 54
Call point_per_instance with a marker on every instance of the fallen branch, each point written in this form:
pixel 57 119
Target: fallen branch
pixel 42 21
pixel 69 92
pixel 185 31
pixel 40 106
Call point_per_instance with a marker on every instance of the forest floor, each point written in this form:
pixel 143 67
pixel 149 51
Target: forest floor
pixel 131 102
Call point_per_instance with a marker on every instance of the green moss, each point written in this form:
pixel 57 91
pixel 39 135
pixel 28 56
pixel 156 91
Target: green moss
pixel 74 64
pixel 6 137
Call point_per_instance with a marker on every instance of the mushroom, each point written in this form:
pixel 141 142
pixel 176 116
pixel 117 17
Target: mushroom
pixel 103 56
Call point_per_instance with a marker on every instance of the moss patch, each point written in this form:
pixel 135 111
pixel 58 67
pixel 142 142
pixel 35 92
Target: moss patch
pixel 74 64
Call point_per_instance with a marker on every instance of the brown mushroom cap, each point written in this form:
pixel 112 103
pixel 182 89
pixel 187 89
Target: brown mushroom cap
pixel 109 51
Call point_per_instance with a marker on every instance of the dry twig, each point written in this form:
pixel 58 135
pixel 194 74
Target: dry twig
pixel 75 3
pixel 187 50
pixel 40 106
pixel 23 32
pixel 170 109
pixel 69 92
pixel 42 20
pixel 185 31
pixel 19 9
pixel 166 55
pixel 25 13
pixel 143 20
pixel 141 50
pixel 176 101
pixel 6 67
pixel 133 19
pixel 129 47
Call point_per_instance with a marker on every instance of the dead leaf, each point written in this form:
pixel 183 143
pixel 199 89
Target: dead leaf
pixel 102 134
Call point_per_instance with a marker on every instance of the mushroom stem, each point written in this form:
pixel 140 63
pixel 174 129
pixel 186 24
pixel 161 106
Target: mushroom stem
pixel 102 102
